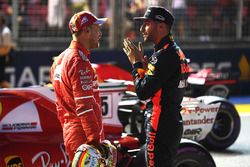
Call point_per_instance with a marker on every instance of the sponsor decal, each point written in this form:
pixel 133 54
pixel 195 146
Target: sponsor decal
pixel 183 84
pixel 19 126
pixel 184 68
pixel 149 72
pixel 193 131
pixel 197 115
pixel 57 73
pixel 43 158
pixel 86 79
pixel 150 148
pixel 219 66
pixel 84 72
pixel 13 161
pixel 87 87
pixel 151 67
pixel 73 23
pixel 153 60
pixel 27 76
pixel 23 118
pixel 84 20
pixel 160 17
pixel 203 120
pixel 199 110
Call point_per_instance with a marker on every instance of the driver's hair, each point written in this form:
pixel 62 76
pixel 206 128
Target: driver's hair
pixel 76 34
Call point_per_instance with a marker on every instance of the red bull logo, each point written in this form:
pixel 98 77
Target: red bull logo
pixel 150 149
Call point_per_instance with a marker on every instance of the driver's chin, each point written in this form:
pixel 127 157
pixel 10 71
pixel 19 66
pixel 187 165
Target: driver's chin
pixel 95 45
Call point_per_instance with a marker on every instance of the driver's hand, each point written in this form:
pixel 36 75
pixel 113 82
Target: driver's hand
pixel 134 53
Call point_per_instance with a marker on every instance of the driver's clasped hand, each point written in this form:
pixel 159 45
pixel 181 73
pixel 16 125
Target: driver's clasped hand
pixel 134 53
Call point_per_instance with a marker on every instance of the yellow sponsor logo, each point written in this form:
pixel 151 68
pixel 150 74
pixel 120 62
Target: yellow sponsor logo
pixel 13 161
pixel 244 68
pixel 151 67
pixel 149 72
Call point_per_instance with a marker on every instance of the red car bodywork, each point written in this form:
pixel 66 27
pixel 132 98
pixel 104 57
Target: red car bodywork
pixel 31 135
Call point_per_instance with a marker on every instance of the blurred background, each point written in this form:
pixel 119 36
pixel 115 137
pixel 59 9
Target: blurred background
pixel 43 24
pixel 212 33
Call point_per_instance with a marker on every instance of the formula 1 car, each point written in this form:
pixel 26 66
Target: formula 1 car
pixel 209 81
pixel 210 120
pixel 31 135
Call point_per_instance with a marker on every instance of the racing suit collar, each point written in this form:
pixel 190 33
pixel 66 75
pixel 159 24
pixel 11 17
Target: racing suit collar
pixel 76 45
pixel 164 42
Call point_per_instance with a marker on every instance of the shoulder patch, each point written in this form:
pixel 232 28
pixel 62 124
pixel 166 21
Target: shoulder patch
pixel 57 73
pixel 84 58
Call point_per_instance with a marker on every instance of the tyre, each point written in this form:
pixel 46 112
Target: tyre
pixel 189 154
pixel 226 128
pixel 218 90
pixel 192 154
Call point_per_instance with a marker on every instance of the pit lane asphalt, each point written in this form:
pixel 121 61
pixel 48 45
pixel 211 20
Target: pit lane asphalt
pixel 238 154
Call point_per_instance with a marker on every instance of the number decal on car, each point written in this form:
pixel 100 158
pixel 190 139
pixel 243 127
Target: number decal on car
pixel 106 105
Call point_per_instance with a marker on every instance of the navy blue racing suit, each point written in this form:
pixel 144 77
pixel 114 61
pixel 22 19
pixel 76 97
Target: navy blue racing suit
pixel 162 85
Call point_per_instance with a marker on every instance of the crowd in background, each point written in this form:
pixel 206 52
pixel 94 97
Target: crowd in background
pixel 194 19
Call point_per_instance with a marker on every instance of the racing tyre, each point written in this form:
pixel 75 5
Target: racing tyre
pixel 189 154
pixel 218 90
pixel 192 154
pixel 226 128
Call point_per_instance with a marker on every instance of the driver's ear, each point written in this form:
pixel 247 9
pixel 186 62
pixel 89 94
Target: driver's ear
pixel 161 25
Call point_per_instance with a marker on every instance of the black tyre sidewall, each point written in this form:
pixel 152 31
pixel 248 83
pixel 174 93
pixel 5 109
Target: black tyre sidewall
pixel 185 153
pixel 194 153
pixel 211 142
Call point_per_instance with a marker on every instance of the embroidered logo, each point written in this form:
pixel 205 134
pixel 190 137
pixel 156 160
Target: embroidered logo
pixel 84 20
pixel 160 17
pixel 153 60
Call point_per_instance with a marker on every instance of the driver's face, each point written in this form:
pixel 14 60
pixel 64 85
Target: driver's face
pixel 95 36
pixel 148 30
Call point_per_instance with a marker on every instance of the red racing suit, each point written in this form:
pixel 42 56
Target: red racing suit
pixel 77 98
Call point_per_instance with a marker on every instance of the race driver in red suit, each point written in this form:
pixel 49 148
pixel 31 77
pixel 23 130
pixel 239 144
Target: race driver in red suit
pixel 161 81
pixel 75 83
